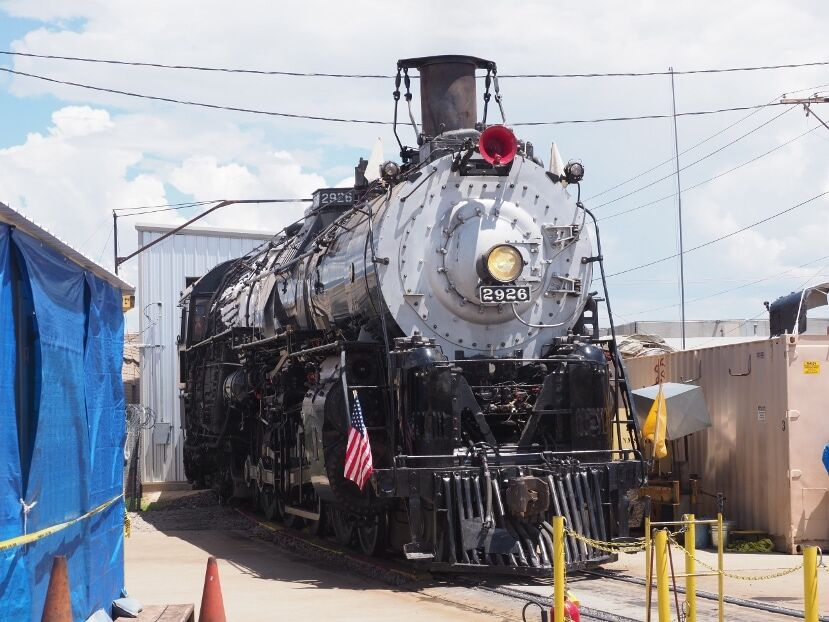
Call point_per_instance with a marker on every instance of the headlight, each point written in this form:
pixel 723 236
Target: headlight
pixel 504 263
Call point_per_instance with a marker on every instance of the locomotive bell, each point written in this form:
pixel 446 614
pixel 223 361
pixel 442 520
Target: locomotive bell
pixel 448 97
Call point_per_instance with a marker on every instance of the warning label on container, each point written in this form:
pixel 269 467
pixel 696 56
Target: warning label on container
pixel 811 367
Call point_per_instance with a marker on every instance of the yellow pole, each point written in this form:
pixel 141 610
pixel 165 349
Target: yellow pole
pixel 690 568
pixel 720 568
pixel 648 545
pixel 810 583
pixel 558 568
pixel 663 594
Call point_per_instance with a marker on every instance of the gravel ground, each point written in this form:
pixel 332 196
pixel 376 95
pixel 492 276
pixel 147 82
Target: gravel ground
pixel 199 511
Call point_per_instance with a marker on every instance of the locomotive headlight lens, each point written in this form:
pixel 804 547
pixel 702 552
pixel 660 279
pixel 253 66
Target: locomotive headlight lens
pixel 504 263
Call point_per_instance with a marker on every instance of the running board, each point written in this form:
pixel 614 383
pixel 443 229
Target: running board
pixel 289 509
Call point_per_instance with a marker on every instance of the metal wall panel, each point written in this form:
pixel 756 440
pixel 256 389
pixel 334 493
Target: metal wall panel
pixel 808 422
pixel 711 329
pixel 161 278
pixel 750 389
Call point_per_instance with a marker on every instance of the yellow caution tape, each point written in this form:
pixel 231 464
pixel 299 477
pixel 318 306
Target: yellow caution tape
pixel 37 535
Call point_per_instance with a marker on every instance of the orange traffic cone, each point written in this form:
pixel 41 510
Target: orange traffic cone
pixel 58 606
pixel 212 604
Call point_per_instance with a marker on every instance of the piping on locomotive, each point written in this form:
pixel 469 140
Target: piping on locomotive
pixel 449 296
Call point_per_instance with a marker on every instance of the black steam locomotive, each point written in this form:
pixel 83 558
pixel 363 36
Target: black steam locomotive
pixel 436 322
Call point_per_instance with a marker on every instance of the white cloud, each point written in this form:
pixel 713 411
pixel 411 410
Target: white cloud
pixel 105 150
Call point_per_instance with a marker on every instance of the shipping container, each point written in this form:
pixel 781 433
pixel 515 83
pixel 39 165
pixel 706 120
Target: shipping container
pixel 768 403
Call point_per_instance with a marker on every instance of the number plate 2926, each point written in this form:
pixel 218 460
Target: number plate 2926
pixel 499 294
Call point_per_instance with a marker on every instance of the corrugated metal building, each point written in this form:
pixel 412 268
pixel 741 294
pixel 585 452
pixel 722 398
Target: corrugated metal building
pixel 163 272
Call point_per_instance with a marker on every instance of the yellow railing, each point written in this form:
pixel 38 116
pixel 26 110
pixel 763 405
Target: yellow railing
pixel 657 543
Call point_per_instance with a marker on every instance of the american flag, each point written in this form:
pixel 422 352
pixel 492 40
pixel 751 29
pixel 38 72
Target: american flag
pixel 358 464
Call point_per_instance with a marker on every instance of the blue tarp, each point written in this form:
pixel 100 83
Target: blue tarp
pixel 77 431
pixel 826 457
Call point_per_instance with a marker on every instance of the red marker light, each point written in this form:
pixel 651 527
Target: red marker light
pixel 498 145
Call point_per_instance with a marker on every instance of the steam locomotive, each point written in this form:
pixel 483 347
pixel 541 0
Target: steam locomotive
pixel 446 301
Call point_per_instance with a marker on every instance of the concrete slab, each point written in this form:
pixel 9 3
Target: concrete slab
pixel 263 582
pixel 786 591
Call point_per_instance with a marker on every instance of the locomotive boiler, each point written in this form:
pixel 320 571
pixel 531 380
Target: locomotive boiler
pixel 441 310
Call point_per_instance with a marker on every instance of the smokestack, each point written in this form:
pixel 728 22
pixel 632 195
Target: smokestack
pixel 448 94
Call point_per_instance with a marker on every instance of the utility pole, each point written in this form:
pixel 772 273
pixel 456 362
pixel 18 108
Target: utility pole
pixel 679 211
pixel 115 239
pixel 805 101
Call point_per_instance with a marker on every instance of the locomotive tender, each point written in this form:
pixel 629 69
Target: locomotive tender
pixel 448 298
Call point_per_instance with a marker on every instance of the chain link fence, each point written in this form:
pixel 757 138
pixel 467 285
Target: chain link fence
pixel 139 418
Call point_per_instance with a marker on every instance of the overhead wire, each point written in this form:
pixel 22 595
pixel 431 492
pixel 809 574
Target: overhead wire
pixel 733 289
pixel 289 115
pixel 715 177
pixel 172 100
pixel 180 206
pixel 723 237
pixel 698 160
pixel 162 209
pixel 104 247
pixel 314 74
pixel 719 132
pixel 165 205
pixel 762 313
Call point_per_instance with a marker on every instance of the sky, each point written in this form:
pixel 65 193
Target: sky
pixel 69 156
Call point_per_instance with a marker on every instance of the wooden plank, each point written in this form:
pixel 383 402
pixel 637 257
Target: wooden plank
pixel 177 613
pixel 164 613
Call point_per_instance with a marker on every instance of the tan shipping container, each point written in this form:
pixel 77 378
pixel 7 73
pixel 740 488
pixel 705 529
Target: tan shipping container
pixel 769 406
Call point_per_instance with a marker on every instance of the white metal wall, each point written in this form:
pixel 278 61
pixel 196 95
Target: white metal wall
pixel 162 271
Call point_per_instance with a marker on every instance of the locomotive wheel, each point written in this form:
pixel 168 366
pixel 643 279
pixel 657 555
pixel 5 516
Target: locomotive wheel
pixel 267 501
pixel 342 524
pixel 319 527
pixel 371 534
pixel 289 520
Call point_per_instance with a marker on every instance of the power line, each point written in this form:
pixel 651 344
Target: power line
pixel 694 113
pixel 192 103
pixel 259 72
pixel 174 206
pixel 162 209
pixel 715 177
pixel 751 319
pixel 363 121
pixel 695 162
pixel 671 159
pixel 104 247
pixel 723 237
pixel 700 143
pixel 733 289
pixel 186 204
pixel 313 74
pixel 640 74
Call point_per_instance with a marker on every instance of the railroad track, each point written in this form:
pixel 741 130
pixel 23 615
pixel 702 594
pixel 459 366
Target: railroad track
pixel 605 596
